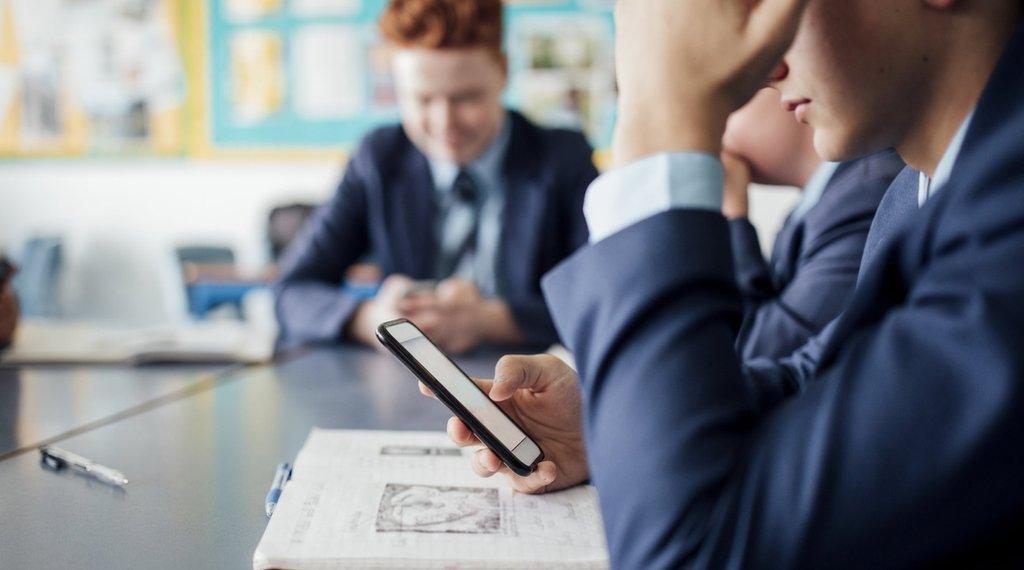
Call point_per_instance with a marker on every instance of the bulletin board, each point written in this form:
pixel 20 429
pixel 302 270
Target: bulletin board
pixel 91 77
pixel 221 78
pixel 308 74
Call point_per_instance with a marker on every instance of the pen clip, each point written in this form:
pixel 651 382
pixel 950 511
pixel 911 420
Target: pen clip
pixel 51 461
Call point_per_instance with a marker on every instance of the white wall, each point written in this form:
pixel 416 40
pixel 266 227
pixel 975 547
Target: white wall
pixel 121 219
pixel 769 206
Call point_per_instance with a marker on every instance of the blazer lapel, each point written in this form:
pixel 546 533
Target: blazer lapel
pixel 522 223
pixel 414 208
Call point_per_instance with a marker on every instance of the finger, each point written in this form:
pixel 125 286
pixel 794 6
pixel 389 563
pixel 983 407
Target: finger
pixel 515 372
pixel 485 463
pixel 453 283
pixel 537 482
pixel 460 434
pixel 773 24
pixel 429 322
pixel 736 166
pixel 485 385
pixel 418 302
pixel 395 285
pixel 455 288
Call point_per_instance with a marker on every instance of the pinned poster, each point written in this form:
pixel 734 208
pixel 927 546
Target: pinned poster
pixel 334 8
pixel 250 10
pixel 8 86
pixel 329 66
pixel 257 75
pixel 562 71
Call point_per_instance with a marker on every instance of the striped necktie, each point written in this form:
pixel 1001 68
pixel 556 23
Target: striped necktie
pixel 459 229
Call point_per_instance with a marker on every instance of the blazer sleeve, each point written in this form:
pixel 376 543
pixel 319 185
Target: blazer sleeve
pixel 897 453
pixel 778 322
pixel 574 177
pixel 826 273
pixel 309 301
pixel 753 274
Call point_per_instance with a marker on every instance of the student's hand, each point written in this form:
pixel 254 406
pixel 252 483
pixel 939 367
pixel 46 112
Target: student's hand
pixel 458 318
pixel 735 198
pixel 541 394
pixel 8 313
pixel 684 65
pixel 383 307
pixel 450 315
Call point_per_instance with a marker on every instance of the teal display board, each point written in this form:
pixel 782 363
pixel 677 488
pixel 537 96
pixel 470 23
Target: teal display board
pixel 307 74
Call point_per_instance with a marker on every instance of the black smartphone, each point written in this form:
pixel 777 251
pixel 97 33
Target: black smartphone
pixel 462 396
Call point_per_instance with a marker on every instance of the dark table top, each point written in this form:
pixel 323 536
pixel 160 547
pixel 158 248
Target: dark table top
pixel 40 403
pixel 199 467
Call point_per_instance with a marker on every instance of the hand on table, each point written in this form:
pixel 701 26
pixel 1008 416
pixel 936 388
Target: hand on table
pixel 383 307
pixel 458 318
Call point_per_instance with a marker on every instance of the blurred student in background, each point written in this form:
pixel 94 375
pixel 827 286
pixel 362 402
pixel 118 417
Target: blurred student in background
pixel 817 253
pixel 464 206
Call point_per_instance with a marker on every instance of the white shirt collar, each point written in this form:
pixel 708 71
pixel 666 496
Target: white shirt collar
pixel 927 187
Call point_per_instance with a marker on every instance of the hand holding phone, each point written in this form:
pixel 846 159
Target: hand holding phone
pixel 420 286
pixel 456 390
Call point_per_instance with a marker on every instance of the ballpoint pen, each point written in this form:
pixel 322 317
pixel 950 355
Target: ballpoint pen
pixel 281 476
pixel 59 458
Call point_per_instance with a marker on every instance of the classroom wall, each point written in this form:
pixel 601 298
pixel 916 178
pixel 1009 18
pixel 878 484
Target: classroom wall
pixel 121 219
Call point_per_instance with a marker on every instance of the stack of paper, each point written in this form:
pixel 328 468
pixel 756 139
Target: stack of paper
pixel 59 342
pixel 365 499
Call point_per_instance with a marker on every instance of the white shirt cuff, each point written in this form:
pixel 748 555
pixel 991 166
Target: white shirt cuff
pixel 652 185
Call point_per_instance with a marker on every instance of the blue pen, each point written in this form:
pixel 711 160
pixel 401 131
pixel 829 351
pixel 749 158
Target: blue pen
pixel 283 474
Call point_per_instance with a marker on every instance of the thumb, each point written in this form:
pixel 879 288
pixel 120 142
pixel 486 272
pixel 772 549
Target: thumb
pixel 520 373
pixel 394 286
pixel 773 24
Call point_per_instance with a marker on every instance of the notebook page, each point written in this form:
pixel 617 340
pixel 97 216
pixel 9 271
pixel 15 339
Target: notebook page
pixel 374 499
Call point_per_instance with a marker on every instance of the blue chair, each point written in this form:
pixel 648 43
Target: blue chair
pixel 37 283
pixel 205 294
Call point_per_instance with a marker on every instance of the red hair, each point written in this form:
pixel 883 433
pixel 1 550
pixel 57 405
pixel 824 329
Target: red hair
pixel 443 24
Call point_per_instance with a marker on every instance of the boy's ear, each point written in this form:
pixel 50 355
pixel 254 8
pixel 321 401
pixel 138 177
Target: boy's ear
pixel 503 62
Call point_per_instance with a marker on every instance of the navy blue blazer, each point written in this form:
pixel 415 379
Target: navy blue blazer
pixel 386 206
pixel 814 262
pixel 778 378
pixel 904 450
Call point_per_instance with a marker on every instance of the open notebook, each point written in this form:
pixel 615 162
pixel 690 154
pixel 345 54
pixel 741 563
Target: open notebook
pixel 377 499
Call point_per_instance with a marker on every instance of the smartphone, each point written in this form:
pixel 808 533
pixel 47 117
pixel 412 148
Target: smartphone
pixel 422 286
pixel 462 396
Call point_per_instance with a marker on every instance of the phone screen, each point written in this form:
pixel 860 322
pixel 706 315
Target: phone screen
pixel 465 391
